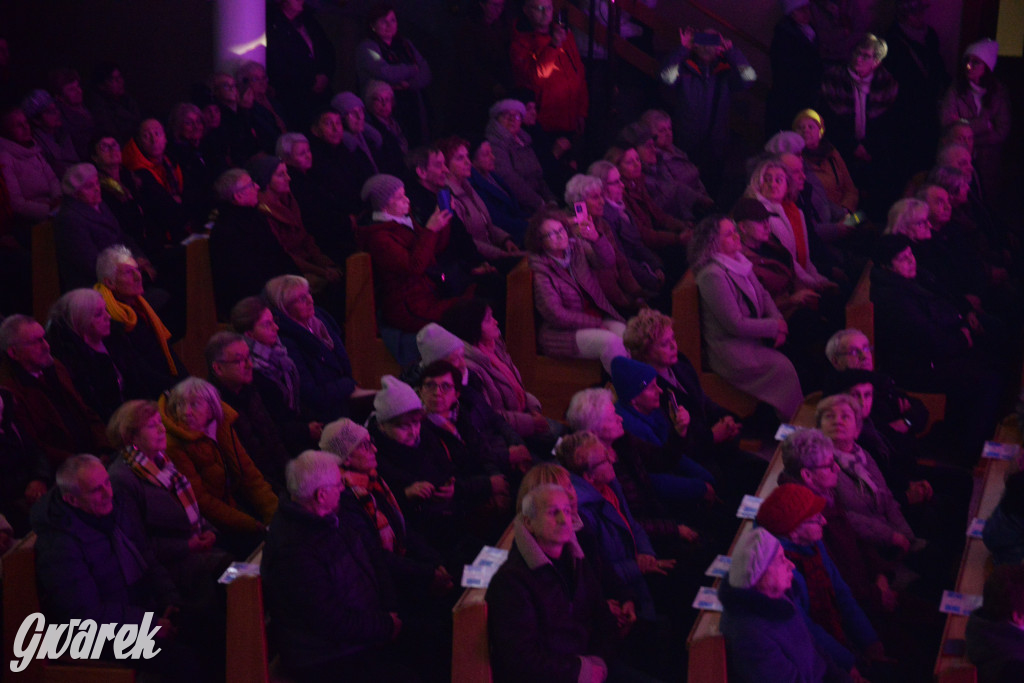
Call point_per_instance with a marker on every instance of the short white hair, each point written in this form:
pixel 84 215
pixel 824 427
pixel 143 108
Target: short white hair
pixel 67 473
pixel 109 259
pixel 279 290
pixel 194 389
pixel 834 346
pixel 75 308
pixel 286 144
pixel 580 185
pixel 903 214
pixel 310 471
pixel 530 499
pixel 585 408
pixel 76 176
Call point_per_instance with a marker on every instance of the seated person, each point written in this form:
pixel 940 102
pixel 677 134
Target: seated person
pixel 793 514
pixel 547 618
pixel 48 130
pixel 275 375
pixel 995 641
pixel 576 319
pixel 244 253
pixel 314 344
pixel 673 181
pixel 1004 529
pixel 101 360
pixel 515 162
pixel 369 502
pixel 204 446
pixel 142 476
pixel 824 160
pixel 32 186
pixel 332 606
pixel 265 114
pixel 410 287
pixel 333 171
pixel 506 211
pixel 237 130
pixel 66 86
pixel 46 404
pixel 25 473
pixel 94 562
pixel 361 139
pixel 766 638
pixel 379 98
pixel 623 543
pixel 160 185
pixel 678 480
pixel 84 227
pixel 191 151
pixel 231 371
pixel 119 281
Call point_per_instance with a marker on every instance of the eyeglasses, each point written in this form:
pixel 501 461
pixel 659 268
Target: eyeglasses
pixel 555 233
pixel 244 360
pixel 860 352
pixel 443 387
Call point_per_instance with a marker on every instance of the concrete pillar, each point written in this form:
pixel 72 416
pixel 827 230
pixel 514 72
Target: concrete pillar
pixel 240 32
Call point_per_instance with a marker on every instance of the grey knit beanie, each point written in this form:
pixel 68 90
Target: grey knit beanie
pixel 379 190
pixel 395 398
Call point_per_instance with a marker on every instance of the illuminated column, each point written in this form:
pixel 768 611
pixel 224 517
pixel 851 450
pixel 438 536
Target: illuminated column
pixel 240 32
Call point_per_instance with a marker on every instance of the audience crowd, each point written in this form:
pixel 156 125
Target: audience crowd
pixel 143 478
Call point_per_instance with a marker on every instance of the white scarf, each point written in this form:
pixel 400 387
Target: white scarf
pixel 741 272
pixel 855 464
pixel 977 92
pixel 861 88
pixel 385 217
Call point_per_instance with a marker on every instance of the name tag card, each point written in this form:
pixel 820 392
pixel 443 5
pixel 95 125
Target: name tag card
pixel 479 574
pixel 707 598
pixel 959 603
pixel 720 567
pixel 784 430
pixel 749 507
pixel 1001 451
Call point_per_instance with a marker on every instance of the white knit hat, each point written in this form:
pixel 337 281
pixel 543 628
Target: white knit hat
pixel 987 50
pixel 342 436
pixel 395 398
pixel 436 343
pixel 785 141
pixel 754 552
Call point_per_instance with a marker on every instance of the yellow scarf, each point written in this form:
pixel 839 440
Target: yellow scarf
pixel 126 315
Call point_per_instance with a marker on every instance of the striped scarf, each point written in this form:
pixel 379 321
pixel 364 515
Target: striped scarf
pixel 368 490
pixel 159 471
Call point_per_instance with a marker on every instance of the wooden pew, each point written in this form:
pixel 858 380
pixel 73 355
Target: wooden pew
pixel 471 656
pixel 247 654
pixel 976 562
pixel 860 311
pixel 686 325
pixel 552 380
pixel 21 598
pixel 45 275
pixel 200 308
pixel 706 644
pixel 370 357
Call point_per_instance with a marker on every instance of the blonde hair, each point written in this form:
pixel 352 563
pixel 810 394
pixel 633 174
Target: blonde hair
pixel 570 449
pixel 193 389
pixel 279 290
pixel 642 331
pixel 544 473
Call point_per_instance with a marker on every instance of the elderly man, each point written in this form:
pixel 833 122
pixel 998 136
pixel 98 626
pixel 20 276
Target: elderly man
pixel 332 169
pixel 46 404
pixel 793 514
pixel 160 180
pixel 84 227
pixel 230 363
pixel 243 249
pixel 332 605
pixel 547 619
pixel 119 280
pixel 93 561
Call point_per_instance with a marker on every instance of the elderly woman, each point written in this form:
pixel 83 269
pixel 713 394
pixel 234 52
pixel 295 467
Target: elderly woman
pixel 84 227
pixel 33 187
pixel 657 228
pixel 576 319
pixel 117 185
pixel 203 445
pixel 275 375
pixel 769 184
pixel 410 288
pixel 379 98
pixel 951 350
pixel 824 160
pixel 103 368
pixel 369 503
pixel 284 214
pixel 604 253
pixel 645 265
pixel 191 150
pixel 858 103
pixel 739 319
pixel 515 162
pixel 313 340
pixel 503 207
pixel 362 141
pixel 673 165
pixel 766 637
pixel 182 538
pixel 493 243
pixel 389 56
pixel 861 491
pixel 977 97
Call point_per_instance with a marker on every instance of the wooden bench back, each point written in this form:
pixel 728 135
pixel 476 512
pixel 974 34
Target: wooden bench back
pixel 370 357
pixel 45 274
pixel 200 308
pixel 860 312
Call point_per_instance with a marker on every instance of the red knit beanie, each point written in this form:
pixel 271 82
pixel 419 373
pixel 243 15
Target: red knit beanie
pixel 787 506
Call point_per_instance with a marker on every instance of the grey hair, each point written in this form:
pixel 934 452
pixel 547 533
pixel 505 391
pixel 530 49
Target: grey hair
pixel 834 346
pixel 109 259
pixel 278 290
pixel 785 142
pixel 192 389
pixel 600 169
pixel 830 402
pixel 585 407
pixel 372 88
pixel 308 472
pixel 579 186
pixel 942 157
pixel 530 499
pixel 67 473
pixel 286 144
pixel 949 178
pixel 76 176
pixel 652 117
pixel 177 116
pixel 73 309
pixel 227 183
pixel 805 448
pixel 902 214
pixel 217 343
pixel 11 327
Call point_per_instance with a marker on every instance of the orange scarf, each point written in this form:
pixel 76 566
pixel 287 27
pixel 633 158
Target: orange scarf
pixel 126 315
